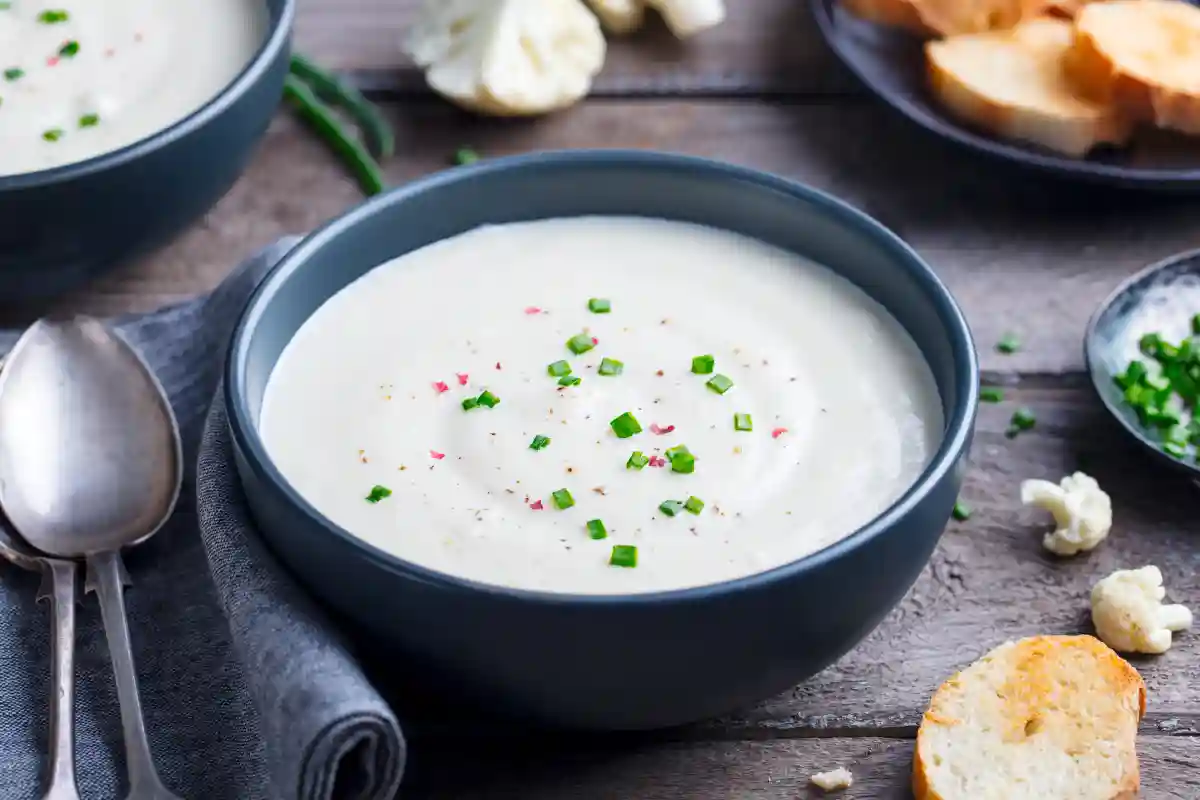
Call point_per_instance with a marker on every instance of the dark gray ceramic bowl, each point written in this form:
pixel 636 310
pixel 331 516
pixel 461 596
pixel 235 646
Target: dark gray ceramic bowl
pixel 610 662
pixel 61 226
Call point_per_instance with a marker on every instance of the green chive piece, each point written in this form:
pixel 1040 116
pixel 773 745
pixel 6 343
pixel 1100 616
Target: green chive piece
pixel 703 365
pixel 580 343
pixel 1196 324
pixel 488 399
pixel 626 425
pixel 742 422
pixel 610 366
pixel 677 450
pixel 1149 343
pixel 596 529
pixel 961 512
pixel 694 505
pixel 539 442
pixel 623 555
pixel 991 394
pixel 1008 344
pixel 464 156
pixel 378 493
pixel 1133 375
pixel 1175 449
pixel 1023 419
pixel 5 5
pixel 599 305
pixel 53 135
pixel 69 49
pixel 570 380
pixel 89 120
pixel 559 369
pixel 719 384
pixel 13 73
pixel 470 402
pixel 53 17
pixel 670 507
pixel 562 498
pixel 637 460
pixel 684 463
pixel 1158 383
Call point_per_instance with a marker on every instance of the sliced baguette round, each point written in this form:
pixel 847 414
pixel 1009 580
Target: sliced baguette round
pixel 1012 84
pixel 1044 717
pixel 1141 56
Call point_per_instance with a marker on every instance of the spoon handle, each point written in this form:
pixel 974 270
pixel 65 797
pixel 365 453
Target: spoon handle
pixel 62 679
pixel 108 576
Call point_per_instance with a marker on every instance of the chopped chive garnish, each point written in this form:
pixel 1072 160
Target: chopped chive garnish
pixel 637 460
pixel 1022 420
pixel 89 120
pixel 1175 449
pixel 53 135
pixel 610 366
pixel 1196 324
pixel 626 425
pixel 719 384
pixel 961 512
pixel 378 493
pixel 742 422
pixel 1008 344
pixel 570 380
pixel 596 529
pixel 69 49
pixel 464 156
pixel 13 73
pixel 694 504
pixel 598 305
pixel 562 498
pixel 580 343
pixel 539 442
pixel 488 399
pixel 470 402
pixel 558 369
pixel 991 394
pixel 677 450
pixel 684 462
pixel 53 17
pixel 623 555
pixel 5 5
pixel 670 507
pixel 703 365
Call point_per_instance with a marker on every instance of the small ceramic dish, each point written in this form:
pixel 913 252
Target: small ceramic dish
pixel 1161 299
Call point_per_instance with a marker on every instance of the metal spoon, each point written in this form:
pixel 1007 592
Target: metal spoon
pixel 91 462
pixel 58 586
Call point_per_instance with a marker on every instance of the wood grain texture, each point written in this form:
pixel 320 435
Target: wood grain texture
pixel 764 46
pixel 1019 254
pixel 720 771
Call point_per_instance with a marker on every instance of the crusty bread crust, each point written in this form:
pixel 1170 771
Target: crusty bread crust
pixel 955 17
pixel 1142 57
pixel 1011 83
pixel 1023 710
pixel 892 13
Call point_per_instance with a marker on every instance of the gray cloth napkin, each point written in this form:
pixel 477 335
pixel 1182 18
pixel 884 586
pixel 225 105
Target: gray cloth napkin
pixel 249 691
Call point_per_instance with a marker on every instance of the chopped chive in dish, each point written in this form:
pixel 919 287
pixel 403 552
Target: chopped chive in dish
pixel 488 399
pixel 53 135
pixel 69 49
pixel 570 380
pixel 580 343
pixel 703 365
pixel 719 384
pixel 681 459
pixel 623 555
pixel 991 394
pixel 1008 344
pixel 961 512
pixel 13 73
pixel 470 402
pixel 5 5
pixel 89 120
pixel 637 460
pixel 599 305
pixel 377 493
pixel 694 505
pixel 742 422
pixel 1165 390
pixel 670 507
pixel 562 498
pixel 558 369
pixel 464 156
pixel 51 16
pixel 596 529
pixel 1023 419
pixel 539 442
pixel 610 366
pixel 626 425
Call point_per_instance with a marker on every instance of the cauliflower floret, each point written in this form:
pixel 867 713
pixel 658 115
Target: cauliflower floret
pixel 508 57
pixel 1082 512
pixel 834 780
pixel 1129 615
pixel 684 17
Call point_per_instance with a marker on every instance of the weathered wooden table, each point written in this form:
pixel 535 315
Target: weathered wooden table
pixel 1020 255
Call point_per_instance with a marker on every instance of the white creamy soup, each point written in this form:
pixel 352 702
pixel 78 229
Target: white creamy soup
pixel 79 78
pixel 817 414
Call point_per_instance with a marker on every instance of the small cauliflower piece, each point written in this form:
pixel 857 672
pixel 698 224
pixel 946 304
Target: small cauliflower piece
pixel 685 18
pixel 620 16
pixel 508 57
pixel 834 780
pixel 1082 512
pixel 1129 614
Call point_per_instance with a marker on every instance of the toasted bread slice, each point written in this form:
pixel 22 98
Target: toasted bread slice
pixel 1142 56
pixel 1044 717
pixel 1012 84
pixel 893 13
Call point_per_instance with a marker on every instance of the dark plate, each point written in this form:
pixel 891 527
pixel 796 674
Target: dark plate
pixel 1161 298
pixel 891 64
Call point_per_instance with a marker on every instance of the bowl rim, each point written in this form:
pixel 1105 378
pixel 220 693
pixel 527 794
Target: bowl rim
pixel 955 440
pixel 277 41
